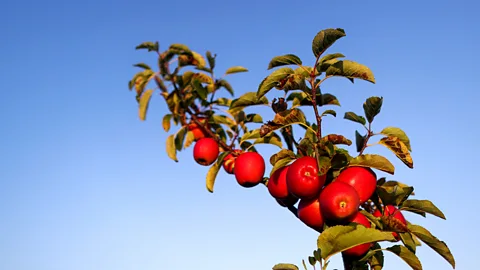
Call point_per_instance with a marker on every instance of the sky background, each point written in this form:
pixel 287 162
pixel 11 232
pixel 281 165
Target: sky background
pixel 84 184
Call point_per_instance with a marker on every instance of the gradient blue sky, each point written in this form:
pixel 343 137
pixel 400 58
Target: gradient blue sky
pixel 84 184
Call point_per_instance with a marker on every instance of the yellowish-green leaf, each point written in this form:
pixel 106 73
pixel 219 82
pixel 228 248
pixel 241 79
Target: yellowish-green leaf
pixel 439 246
pixel 424 206
pixel 407 256
pixel 373 161
pixel 190 138
pixel 324 39
pixel 330 57
pixel 166 122
pixel 170 147
pixel 248 99
pixel 355 118
pixel 273 80
pixel 235 69
pixel 400 134
pixel 399 149
pixel 282 60
pixel 285 266
pixel 143 104
pixel 213 172
pixel 283 119
pixel 350 69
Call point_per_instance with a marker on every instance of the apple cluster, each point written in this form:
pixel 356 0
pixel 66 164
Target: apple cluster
pixel 320 204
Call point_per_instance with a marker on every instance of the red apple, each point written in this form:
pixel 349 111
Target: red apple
pixel 205 151
pixel 249 169
pixel 360 250
pixel 362 179
pixel 339 202
pixel 277 184
pixel 303 180
pixel 310 214
pixel 229 161
pixel 198 133
pixel 397 215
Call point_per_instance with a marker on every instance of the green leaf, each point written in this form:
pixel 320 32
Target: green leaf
pixel 400 134
pixel 439 246
pixel 199 89
pixel 324 39
pixel 424 206
pixel 285 266
pixel 406 255
pixel 394 195
pixel 312 260
pixel 336 139
pixel 213 171
pixel 180 48
pixel 283 119
pixel 226 85
pixel 170 147
pixel 272 138
pixel 372 218
pixel 166 122
pixel 287 59
pixel 280 159
pixel 407 240
pixel 211 59
pixel 248 99
pixel 303 99
pixel 180 138
pixel 142 65
pixel 330 57
pixel 350 69
pixel 273 80
pixel 372 107
pixel 304 265
pixel 150 46
pixel 399 149
pixel 143 104
pixel 331 112
pixel 373 161
pixel 253 118
pixel 235 69
pixel 359 141
pixel 355 118
pixel 317 255
pixel 339 238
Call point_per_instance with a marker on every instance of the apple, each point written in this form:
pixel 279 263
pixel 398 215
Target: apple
pixel 360 250
pixel 198 133
pixel 249 169
pixel 205 151
pixel 229 161
pixel 277 184
pixel 397 215
pixel 303 180
pixel 310 214
pixel 362 179
pixel 339 202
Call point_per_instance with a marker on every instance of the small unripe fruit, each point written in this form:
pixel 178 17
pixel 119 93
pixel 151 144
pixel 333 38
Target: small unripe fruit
pixel 339 202
pixel 363 180
pixel 205 151
pixel 249 169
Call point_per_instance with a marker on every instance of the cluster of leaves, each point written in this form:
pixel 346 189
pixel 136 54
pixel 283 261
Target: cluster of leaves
pixel 192 92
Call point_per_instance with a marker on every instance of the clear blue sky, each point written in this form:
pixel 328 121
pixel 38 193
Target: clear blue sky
pixel 84 184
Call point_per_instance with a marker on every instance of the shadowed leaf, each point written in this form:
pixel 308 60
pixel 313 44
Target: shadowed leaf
pixel 287 59
pixel 283 119
pixel 248 99
pixel 324 39
pixel 355 118
pixel 273 80
pixel 372 107
pixel 359 141
pixel 150 46
pixel 331 112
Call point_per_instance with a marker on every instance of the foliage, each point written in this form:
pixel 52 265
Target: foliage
pixel 198 99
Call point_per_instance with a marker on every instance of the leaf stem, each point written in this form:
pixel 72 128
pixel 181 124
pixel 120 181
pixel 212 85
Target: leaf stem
pixel 369 135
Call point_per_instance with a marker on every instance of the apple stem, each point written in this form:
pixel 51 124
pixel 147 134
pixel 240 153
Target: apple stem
pixel 369 135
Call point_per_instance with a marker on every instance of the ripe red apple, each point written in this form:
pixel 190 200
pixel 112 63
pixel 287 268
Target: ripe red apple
pixel 360 250
pixel 303 180
pixel 362 179
pixel 339 202
pixel 388 211
pixel 229 161
pixel 249 169
pixel 277 184
pixel 205 151
pixel 310 214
